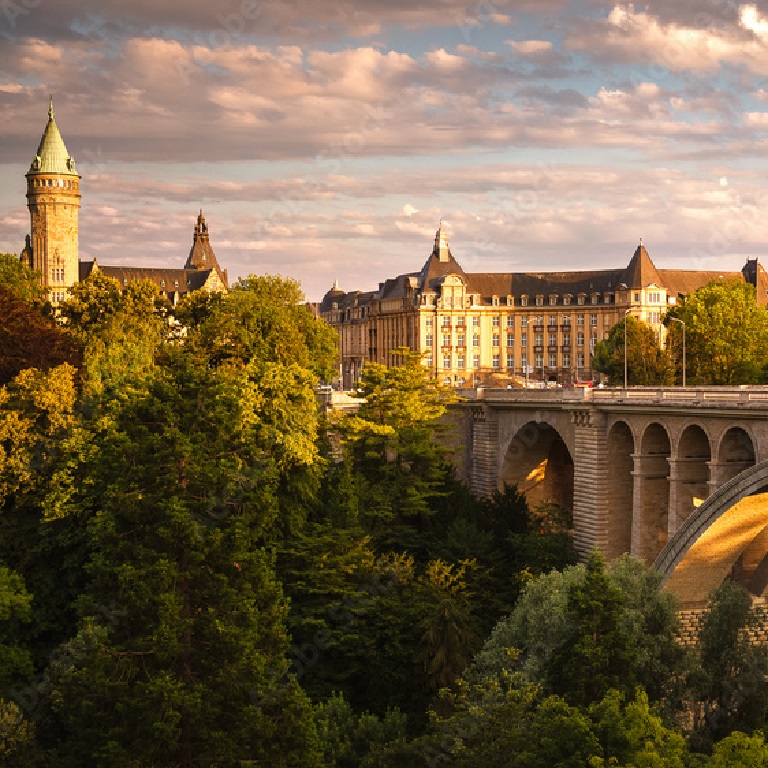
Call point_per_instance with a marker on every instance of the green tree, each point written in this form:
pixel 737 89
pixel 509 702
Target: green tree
pixel 632 734
pixel 563 612
pixel 395 445
pixel 740 751
pixel 500 723
pixel 647 362
pixel 599 653
pixel 730 682
pixel 20 281
pixel 264 318
pixel 725 332
pixel 181 654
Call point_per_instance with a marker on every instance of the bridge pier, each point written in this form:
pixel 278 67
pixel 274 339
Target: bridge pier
pixel 650 501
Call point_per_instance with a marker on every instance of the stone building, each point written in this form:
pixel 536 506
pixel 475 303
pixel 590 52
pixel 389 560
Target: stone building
pixel 490 327
pixel 53 198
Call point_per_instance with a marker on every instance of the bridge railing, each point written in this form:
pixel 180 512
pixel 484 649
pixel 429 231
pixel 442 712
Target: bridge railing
pixel 739 396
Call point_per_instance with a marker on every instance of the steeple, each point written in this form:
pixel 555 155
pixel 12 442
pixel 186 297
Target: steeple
pixel 201 255
pixel 640 272
pixel 441 249
pixel 52 155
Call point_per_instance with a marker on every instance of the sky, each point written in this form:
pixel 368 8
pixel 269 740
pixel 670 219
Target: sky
pixel 328 140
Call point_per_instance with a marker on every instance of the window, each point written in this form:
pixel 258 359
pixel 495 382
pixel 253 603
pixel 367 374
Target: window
pixel 475 361
pixel 539 320
pixel 580 320
pixel 654 317
pixel 567 299
pixel 496 361
pixel 460 340
pixel 496 341
pixel 495 301
pixel 429 340
pixel 446 340
pixel 595 298
pixel 446 361
pixel 510 362
pixel 523 301
pixel 430 360
pixel 475 322
pixel 552 339
pixel 552 320
pixel 429 322
pixel 566 339
pixel 566 359
pixel 524 320
pixel 552 360
pixel 460 321
pixel 593 319
pixel 524 339
pixel 446 321
pixel 636 298
pixel 566 319
pixel 581 298
pixel 476 340
pixel 539 301
pixel 538 339
pixel 510 321
pixel 580 360
pixel 654 298
pixel 552 300
pixel 524 360
pixel 579 339
pixel 496 321
pixel 460 361
pixel 538 360
pixel 510 340
pixel 607 298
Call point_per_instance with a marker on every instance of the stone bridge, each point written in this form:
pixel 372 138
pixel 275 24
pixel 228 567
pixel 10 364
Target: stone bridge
pixel 632 464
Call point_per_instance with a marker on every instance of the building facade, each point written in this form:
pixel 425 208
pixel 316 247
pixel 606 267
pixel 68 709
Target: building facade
pixel 52 248
pixel 506 328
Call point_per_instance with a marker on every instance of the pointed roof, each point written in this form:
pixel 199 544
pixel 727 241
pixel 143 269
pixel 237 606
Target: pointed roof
pixel 439 264
pixel 52 155
pixel 640 271
pixel 201 255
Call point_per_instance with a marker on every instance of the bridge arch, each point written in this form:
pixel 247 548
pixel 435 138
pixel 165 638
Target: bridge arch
pixel 621 449
pixel 689 474
pixel 735 453
pixel 726 537
pixel 538 461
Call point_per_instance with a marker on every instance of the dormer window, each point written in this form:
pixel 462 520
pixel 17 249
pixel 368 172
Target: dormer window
pixel 539 301
pixel 581 298
pixel 162 283
pixel 566 299
pixel 495 301
pixel 523 301
pixel 552 299
pixel 176 283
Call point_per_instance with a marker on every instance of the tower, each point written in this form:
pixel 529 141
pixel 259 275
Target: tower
pixel 53 199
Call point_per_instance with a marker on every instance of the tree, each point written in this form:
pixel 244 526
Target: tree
pixel 725 332
pixel 647 362
pixel 730 683
pixel 263 318
pixel 30 339
pixel 591 619
pixel 740 751
pixel 180 658
pixel 20 281
pixel 394 440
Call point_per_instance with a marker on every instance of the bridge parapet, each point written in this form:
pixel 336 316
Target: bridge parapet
pixel 708 397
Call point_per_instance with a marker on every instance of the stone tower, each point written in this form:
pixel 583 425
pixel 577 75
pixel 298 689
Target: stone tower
pixel 53 198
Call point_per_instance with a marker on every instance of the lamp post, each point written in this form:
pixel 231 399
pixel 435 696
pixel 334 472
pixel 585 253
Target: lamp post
pixel 678 320
pixel 626 312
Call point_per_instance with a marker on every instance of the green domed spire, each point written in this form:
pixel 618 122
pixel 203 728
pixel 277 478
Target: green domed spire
pixel 52 155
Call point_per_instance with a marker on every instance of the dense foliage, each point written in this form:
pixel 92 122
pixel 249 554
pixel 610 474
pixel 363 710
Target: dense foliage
pixel 197 569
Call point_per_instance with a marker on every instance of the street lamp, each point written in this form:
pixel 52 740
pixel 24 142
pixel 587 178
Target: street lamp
pixel 626 312
pixel 678 320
